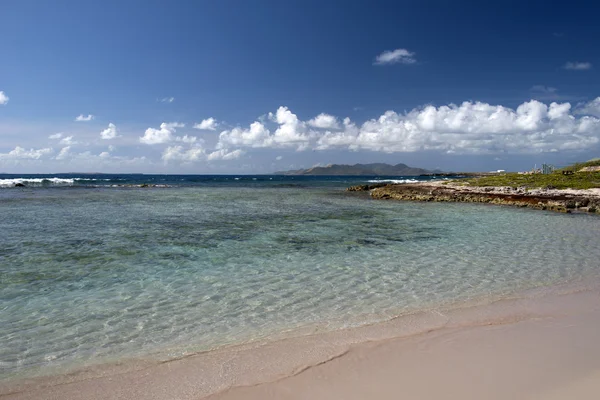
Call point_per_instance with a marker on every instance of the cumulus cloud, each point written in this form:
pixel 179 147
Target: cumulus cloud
pixel 290 133
pixel 398 56
pixel 3 98
pixel 162 135
pixel 19 153
pixel 104 159
pixel 110 132
pixel 468 128
pixel 591 108
pixel 82 118
pixel 279 158
pixel 64 153
pixel 167 99
pixel 55 136
pixel 198 153
pixel 476 128
pixel 186 139
pixel 209 124
pixel 224 154
pixel 68 141
pixel 578 66
pixel 177 153
pixel 324 121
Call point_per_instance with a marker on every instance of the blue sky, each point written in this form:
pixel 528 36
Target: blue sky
pixel 258 86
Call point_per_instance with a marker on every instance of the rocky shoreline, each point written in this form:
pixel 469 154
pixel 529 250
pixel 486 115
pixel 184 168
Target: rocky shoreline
pixel 440 191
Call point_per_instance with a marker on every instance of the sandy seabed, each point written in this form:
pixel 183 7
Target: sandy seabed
pixel 542 344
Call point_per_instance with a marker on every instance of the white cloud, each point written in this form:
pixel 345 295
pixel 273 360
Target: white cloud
pixel 198 153
pixel 591 108
pixel 324 121
pixel 291 131
pixel 471 127
pixel 209 124
pixel 68 141
pixel 578 66
pixel 20 153
pixel 64 153
pixel 3 98
pixel 173 125
pixel 186 139
pixel 162 135
pixel 224 154
pixel 88 159
pixel 279 158
pixel 256 136
pixel 398 56
pixel 82 118
pixel 55 136
pixel 110 132
pixel 177 153
pixel 167 99
pixel 476 128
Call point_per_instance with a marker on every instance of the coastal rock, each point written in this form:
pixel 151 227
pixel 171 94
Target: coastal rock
pixel 365 188
pixel 542 199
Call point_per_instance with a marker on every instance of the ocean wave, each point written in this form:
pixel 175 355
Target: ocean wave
pixel 393 181
pixel 4 183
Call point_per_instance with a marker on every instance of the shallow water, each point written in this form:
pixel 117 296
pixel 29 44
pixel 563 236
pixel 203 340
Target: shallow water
pixel 96 275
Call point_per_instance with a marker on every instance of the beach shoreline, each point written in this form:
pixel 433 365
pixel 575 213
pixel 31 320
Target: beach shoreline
pixel 232 372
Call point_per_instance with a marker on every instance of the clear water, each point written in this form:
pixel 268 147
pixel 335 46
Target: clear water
pixel 96 275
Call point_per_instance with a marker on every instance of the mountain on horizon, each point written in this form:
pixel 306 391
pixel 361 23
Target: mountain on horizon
pixel 374 169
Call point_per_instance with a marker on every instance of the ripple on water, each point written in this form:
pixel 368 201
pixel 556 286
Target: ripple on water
pixel 88 277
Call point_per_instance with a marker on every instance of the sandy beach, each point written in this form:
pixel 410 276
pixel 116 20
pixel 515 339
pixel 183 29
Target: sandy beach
pixel 542 344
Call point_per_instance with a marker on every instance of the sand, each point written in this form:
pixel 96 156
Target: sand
pixel 541 345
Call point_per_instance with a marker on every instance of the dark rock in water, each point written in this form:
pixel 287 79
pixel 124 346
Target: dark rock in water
pixel 144 185
pixel 365 188
pixel 19 184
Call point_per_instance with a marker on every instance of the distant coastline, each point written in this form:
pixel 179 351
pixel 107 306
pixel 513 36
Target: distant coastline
pixel 373 169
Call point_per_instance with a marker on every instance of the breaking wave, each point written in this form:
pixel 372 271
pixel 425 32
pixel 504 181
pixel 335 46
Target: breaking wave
pixel 37 182
pixel 393 181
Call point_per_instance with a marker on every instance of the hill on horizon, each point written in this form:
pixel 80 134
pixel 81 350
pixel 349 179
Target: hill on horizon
pixel 360 169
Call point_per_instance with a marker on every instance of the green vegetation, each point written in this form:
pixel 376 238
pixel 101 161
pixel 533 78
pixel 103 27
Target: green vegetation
pixel 577 166
pixel 555 180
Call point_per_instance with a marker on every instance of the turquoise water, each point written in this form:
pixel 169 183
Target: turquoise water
pixel 95 275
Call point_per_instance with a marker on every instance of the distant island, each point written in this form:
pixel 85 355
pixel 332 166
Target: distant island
pixel 376 169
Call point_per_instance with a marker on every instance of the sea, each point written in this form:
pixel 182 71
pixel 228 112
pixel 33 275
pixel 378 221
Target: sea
pixel 98 269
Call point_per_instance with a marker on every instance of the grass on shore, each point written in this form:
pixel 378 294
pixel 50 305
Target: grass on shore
pixel 556 180
pixel 577 166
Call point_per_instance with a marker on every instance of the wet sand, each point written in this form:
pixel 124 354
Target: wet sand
pixel 542 344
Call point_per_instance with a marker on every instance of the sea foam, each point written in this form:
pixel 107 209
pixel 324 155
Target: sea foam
pixel 393 181
pixel 36 182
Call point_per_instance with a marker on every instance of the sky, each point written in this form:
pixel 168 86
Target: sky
pixel 232 87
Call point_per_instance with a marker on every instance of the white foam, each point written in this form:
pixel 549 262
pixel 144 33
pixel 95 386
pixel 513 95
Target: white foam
pixel 36 182
pixel 393 181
